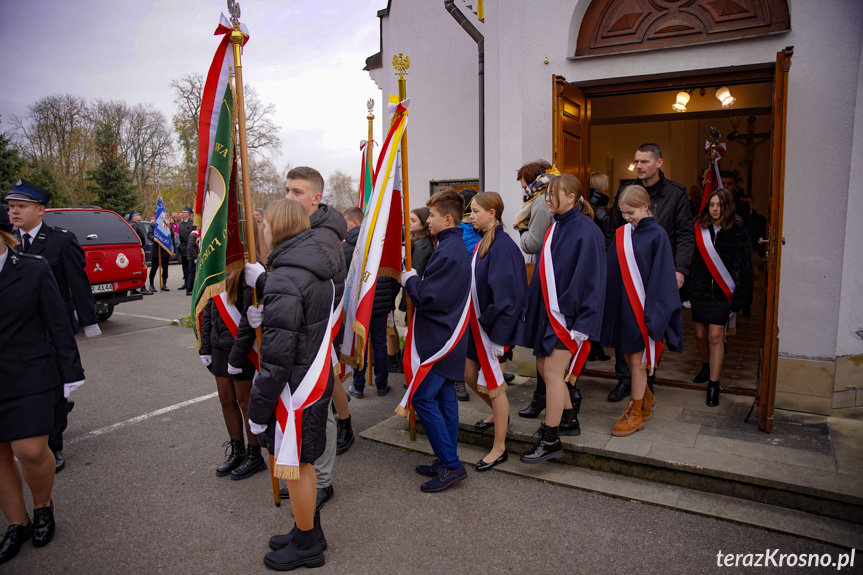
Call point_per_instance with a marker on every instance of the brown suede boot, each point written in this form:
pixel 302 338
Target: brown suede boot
pixel 647 405
pixel 630 420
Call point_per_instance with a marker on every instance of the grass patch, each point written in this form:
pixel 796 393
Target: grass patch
pixel 186 322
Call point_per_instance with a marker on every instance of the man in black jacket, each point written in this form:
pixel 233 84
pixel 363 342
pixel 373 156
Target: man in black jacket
pixel 669 204
pixel 135 223
pixel 186 226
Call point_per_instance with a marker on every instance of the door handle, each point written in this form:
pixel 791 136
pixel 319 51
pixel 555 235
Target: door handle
pixel 763 241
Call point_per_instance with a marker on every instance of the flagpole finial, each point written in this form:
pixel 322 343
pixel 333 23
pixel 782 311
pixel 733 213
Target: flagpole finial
pixel 371 107
pixel 234 11
pixel 401 63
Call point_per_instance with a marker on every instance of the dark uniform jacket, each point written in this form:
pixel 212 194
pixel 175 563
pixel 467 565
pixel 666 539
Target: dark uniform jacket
pixel 139 229
pixel 297 297
pixel 33 317
pixel 602 215
pixel 732 245
pixel 670 206
pixel 185 229
pixel 61 250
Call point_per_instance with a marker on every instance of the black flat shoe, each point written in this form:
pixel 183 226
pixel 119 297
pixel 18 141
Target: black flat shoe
pixel 483 424
pixel 43 525
pixel 481 465
pixel 15 537
pixel 59 462
pixel 703 375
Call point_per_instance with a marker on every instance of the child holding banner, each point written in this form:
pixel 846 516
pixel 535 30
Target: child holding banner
pixel 565 309
pixel 642 304
pixel 719 283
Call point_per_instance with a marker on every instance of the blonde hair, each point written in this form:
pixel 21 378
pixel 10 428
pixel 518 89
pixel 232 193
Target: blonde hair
pixel 570 186
pixel 286 219
pixel 599 181
pixel 9 239
pixel 489 201
pixel 634 197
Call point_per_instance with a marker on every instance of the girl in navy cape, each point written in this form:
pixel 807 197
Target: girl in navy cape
pixel 573 252
pixel 653 261
pixel 499 285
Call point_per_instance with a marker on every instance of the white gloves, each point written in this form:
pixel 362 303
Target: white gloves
pixel 496 350
pixel 256 428
pixel 577 336
pixel 234 370
pixel 255 315
pixel 206 360
pixel 68 388
pixel 92 330
pixel 408 274
pixel 253 271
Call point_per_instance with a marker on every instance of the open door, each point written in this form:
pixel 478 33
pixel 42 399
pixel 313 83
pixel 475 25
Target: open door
pixel 571 145
pixel 774 241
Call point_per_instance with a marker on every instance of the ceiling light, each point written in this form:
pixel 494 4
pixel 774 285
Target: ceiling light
pixel 680 104
pixel 723 95
pixel 631 167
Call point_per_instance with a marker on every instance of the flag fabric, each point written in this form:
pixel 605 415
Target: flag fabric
pixel 221 248
pixel 366 176
pixel 378 251
pixel 162 234
pixel 713 179
pixel 211 103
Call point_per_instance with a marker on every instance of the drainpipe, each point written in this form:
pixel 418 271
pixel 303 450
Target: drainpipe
pixel 480 44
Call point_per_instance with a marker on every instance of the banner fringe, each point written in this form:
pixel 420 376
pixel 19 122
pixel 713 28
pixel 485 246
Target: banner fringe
pixel 570 378
pixel 286 472
pixel 390 273
pixel 492 393
pixel 402 411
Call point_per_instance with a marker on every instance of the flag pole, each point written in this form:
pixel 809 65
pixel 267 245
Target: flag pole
pixel 370 104
pixel 237 38
pixel 401 64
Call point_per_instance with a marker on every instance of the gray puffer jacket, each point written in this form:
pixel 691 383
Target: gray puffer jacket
pixel 297 296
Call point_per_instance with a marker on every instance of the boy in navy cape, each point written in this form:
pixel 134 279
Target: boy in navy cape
pixel 435 360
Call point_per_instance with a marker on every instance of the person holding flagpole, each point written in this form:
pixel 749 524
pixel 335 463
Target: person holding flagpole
pixel 498 305
pixel 642 304
pixel 163 245
pixel 565 308
pixel 719 283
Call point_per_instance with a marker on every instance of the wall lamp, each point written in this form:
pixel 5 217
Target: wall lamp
pixel 723 94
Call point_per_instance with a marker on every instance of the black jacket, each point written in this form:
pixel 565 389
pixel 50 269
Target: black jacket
pixel 297 305
pixel 32 326
pixel 421 253
pixel 733 248
pixel 214 331
pixel 601 214
pixel 349 244
pixel 140 231
pixel 185 229
pixel 670 207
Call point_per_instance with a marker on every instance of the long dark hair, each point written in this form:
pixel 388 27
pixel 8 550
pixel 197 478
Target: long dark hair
pixel 489 201
pixel 728 211
pixel 423 214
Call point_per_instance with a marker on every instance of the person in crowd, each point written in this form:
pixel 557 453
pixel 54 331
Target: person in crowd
pixel 602 217
pixel 670 207
pixel 695 194
pixel 160 258
pixel 468 233
pixel 565 309
pixel 719 283
pixel 440 300
pixel 33 327
pixel 219 326
pixel 27 203
pixel 306 185
pixel 134 220
pixel 531 222
pixel 258 216
pixel 729 182
pixel 185 225
pixel 193 250
pixel 642 305
pixel 498 306
pixel 298 293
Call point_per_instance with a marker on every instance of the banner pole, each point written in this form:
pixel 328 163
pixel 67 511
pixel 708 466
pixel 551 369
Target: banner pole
pixel 369 170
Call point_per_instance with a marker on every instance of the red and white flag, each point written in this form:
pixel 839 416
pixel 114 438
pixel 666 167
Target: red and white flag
pixel 713 178
pixel 490 379
pixel 231 316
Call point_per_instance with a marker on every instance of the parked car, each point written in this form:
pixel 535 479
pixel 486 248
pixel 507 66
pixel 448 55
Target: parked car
pixel 112 250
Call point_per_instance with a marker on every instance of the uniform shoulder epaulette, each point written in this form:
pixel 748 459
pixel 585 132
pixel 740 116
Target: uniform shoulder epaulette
pixel 30 256
pixel 61 230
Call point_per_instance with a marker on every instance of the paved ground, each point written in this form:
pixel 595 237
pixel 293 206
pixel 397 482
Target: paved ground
pixel 142 497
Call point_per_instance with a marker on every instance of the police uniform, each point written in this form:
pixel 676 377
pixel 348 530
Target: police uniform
pixel 186 228
pixel 60 249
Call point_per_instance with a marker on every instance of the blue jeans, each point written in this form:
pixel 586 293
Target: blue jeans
pixel 378 342
pixel 437 408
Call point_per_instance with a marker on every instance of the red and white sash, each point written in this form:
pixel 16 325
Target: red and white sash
pixel 415 370
pixel 579 350
pixel 714 262
pixel 490 379
pixel 231 316
pixel 289 411
pixel 635 293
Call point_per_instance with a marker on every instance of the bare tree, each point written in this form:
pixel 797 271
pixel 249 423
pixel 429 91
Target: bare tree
pixel 341 191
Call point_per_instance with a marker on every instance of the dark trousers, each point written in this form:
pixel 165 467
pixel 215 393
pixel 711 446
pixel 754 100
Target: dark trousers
pixel 158 253
pixel 378 342
pixel 190 276
pixel 184 263
pixel 437 409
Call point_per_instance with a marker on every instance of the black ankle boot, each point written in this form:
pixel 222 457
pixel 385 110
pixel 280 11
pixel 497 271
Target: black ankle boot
pixel 574 397
pixel 234 457
pixel 537 404
pixel 251 464
pixel 569 423
pixel 548 446
pixel 623 389
pixel 713 389
pixel 344 435
pixel 703 375
pixel 303 550
pixel 281 541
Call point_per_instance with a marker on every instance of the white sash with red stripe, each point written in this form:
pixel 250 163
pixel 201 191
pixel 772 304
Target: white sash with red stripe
pixel 231 316
pixel 490 379
pixel 714 263
pixel 635 293
pixel 416 370
pixel 579 350
pixel 289 411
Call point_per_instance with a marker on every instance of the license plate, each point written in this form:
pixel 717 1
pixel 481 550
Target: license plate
pixel 102 288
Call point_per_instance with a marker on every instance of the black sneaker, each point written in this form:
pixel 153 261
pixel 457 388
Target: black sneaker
pixel 344 435
pixel 323 495
pixel 623 389
pixel 461 391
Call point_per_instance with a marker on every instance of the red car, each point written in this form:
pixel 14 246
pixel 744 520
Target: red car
pixel 114 256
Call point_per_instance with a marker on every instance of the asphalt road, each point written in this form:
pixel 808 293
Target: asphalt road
pixel 140 494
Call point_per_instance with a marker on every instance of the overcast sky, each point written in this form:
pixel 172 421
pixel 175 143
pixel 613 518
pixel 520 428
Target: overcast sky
pixel 304 56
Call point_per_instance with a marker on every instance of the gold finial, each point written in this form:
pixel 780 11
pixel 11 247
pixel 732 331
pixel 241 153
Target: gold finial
pixel 371 107
pixel 234 11
pixel 401 63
